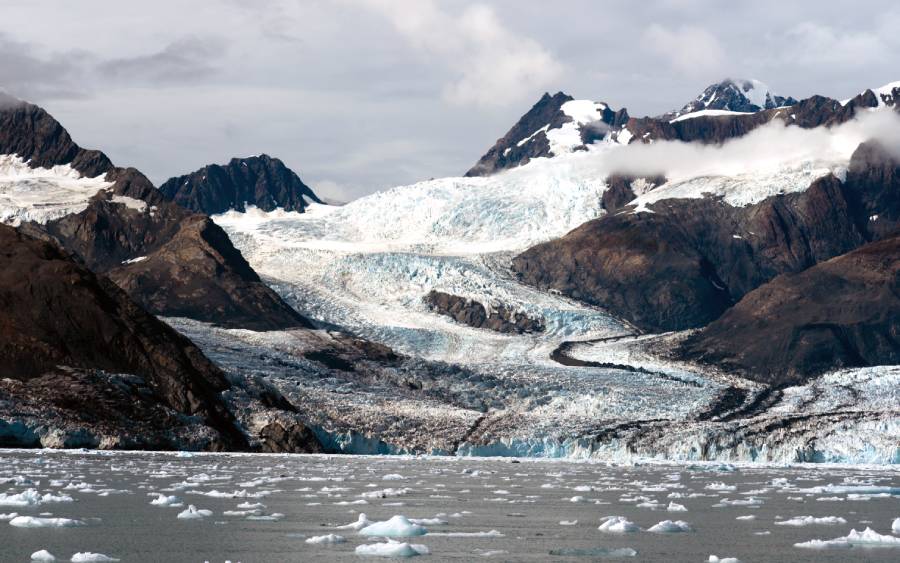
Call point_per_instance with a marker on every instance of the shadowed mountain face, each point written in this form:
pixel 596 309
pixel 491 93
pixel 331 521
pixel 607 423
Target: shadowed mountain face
pixel 844 312
pixel 260 181
pixel 170 260
pixel 57 316
pixel 685 264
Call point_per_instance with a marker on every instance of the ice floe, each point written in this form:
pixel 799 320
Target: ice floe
pixel 326 539
pixel 194 513
pixel 671 527
pixel 617 525
pixel 392 549
pixel 39 522
pixel 866 538
pixel 397 527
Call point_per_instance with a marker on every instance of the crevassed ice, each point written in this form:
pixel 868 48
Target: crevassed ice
pixel 43 194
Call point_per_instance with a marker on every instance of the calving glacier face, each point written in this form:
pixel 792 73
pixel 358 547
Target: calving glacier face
pixel 42 194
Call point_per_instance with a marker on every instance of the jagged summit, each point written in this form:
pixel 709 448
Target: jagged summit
pixel 260 180
pixel 555 125
pixel 736 95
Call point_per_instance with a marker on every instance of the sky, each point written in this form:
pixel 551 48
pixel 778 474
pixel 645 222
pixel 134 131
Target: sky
pixel 361 95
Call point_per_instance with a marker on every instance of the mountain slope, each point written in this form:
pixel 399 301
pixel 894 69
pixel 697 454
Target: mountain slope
pixel 844 312
pixel 260 181
pixel 119 219
pixel 56 315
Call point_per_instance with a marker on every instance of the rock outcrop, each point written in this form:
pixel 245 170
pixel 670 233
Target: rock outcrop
pixel 499 318
pixel 260 181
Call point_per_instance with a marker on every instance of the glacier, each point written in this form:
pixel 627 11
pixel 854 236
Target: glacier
pixel 364 268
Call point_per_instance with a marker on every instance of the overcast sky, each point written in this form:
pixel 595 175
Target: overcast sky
pixel 358 95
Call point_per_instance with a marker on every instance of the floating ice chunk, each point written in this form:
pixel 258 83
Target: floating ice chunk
pixel 866 538
pixel 675 507
pixel 895 527
pixel 739 502
pixel 617 525
pixel 719 486
pixel 326 539
pixel 568 522
pixel 436 521
pixel 397 527
pixel 746 517
pixel 360 523
pixel 31 497
pixel 8 516
pixel 164 500
pixel 392 549
pixel 811 520
pixel 393 477
pixel 88 557
pixel 37 522
pixel 43 555
pixel 578 498
pixel 671 527
pixel 194 513
pixel 274 517
pixel 251 505
pixel 717 559
pixel 600 552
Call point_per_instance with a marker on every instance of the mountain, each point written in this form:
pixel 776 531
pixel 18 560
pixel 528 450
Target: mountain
pixel 589 290
pixel 738 96
pixel 844 312
pixel 556 124
pixel 170 260
pixel 261 181
pixel 726 110
pixel 68 333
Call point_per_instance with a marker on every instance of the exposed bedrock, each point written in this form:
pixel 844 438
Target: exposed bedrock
pixel 499 318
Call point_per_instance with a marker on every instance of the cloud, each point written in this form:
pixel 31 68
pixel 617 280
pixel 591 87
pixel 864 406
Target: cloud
pixel 185 60
pixel 818 44
pixel 765 150
pixel 688 48
pixel 28 75
pixel 491 64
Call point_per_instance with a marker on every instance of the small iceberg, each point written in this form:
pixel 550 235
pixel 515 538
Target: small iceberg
pixel 397 527
pixel 360 523
pixel 866 538
pixel 671 527
pixel 38 522
pixel 164 500
pixel 326 539
pixel 88 557
pixel 618 525
pixel 194 513
pixel 812 521
pixel 392 549
pixel 43 556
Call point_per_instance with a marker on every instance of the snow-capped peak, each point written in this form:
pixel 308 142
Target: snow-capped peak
pixel 888 94
pixel 736 95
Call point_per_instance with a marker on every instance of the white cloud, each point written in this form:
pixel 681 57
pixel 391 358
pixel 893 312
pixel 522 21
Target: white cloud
pixel 491 64
pixel 815 43
pixel 689 49
pixel 764 150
